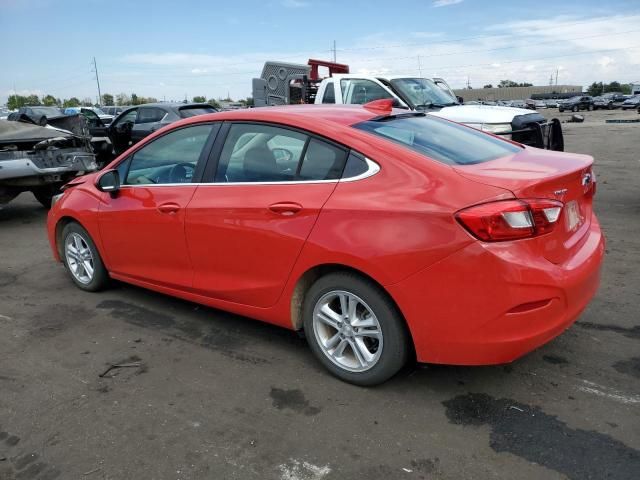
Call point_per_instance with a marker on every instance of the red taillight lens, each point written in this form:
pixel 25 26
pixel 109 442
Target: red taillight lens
pixel 510 219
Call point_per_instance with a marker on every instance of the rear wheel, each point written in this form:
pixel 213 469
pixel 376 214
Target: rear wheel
pixel 575 108
pixel 81 258
pixel 590 108
pixel 354 329
pixel 43 121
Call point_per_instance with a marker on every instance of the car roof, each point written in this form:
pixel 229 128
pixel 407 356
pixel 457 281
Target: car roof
pixel 294 114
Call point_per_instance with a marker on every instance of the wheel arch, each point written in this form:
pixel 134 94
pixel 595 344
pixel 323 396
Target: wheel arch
pixel 307 279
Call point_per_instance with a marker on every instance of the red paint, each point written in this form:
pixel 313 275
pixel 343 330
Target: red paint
pixel 243 248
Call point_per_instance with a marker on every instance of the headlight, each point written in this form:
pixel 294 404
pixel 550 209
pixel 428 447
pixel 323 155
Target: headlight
pixel 497 128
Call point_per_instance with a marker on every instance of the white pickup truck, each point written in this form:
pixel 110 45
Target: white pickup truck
pixel 435 97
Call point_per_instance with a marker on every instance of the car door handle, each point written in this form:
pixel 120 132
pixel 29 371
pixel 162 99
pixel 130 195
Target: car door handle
pixel 169 208
pixel 285 208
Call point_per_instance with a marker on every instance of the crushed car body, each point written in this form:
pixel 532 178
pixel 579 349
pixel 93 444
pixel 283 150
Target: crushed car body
pixel 42 159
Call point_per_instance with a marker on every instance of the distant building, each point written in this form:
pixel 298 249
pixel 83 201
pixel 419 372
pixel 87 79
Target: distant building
pixel 635 88
pixel 519 93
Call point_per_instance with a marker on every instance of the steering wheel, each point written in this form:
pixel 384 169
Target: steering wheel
pixel 124 127
pixel 182 172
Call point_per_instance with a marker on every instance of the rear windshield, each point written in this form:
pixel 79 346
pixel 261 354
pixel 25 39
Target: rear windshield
pixel 193 111
pixel 440 139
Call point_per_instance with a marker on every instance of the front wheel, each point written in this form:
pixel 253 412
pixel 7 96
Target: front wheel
pixel 590 108
pixel 575 108
pixel 82 260
pixel 354 329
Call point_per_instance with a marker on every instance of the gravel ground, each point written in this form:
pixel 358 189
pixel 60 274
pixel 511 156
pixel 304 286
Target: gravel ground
pixel 217 396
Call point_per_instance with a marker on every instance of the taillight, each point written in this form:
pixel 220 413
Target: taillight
pixel 510 219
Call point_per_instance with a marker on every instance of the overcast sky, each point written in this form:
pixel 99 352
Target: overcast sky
pixel 169 49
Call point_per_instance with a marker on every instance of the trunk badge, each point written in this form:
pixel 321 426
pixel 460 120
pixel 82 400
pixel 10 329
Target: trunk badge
pixel 560 193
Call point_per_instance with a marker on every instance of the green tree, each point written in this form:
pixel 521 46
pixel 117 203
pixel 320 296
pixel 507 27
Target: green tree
pixel 123 99
pixel 214 103
pixel 488 86
pixel 107 99
pixel 134 99
pixel 511 83
pixel 86 102
pixel 16 101
pixel 49 101
pixel 33 100
pixel 595 89
pixel 247 102
pixel 199 99
pixel 71 102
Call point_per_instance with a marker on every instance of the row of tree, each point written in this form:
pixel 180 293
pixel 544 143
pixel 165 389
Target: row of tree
pixel 600 88
pixel 121 99
pixel 509 83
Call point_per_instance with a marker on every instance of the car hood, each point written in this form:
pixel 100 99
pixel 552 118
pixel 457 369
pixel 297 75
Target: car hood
pixel 477 114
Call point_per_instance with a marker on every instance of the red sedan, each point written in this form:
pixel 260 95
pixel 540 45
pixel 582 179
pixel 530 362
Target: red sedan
pixel 381 233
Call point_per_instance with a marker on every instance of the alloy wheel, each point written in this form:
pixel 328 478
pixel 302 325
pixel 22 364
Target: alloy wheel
pixel 348 331
pixel 79 258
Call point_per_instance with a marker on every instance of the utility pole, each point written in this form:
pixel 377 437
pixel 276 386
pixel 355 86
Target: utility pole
pixel 95 69
pixel 334 51
pixel 557 76
pixel 419 66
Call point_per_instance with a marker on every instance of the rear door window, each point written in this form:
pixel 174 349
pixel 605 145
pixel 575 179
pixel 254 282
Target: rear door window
pixel 186 112
pixel 329 94
pixel 360 91
pixel 150 115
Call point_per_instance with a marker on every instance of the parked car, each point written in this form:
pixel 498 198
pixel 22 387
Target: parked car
pixel 518 104
pixel 574 104
pixel 135 123
pixel 552 103
pixel 535 104
pixel 608 101
pixel 631 103
pixel 40 160
pixel 488 250
pixel 91 112
pixel 38 115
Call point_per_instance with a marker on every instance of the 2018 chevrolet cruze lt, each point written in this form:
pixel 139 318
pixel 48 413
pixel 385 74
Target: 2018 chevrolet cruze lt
pixel 383 234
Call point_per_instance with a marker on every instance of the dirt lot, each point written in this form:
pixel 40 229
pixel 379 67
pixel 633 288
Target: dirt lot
pixel 216 396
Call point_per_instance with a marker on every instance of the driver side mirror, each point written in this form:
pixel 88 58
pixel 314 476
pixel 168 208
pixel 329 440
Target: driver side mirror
pixel 109 181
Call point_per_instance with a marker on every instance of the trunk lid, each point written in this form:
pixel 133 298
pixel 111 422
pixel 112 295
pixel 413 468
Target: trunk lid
pixel 535 173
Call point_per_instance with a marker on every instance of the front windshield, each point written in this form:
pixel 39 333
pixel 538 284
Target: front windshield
pixel 423 92
pixel 98 111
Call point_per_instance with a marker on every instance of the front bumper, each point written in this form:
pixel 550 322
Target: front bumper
pixel 492 303
pixel 14 165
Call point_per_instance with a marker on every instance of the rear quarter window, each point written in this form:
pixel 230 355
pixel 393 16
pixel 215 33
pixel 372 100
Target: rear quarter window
pixel 440 139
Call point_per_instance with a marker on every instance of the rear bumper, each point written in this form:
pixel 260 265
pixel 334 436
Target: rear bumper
pixel 492 303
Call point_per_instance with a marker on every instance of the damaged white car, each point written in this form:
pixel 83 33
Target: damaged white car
pixel 42 159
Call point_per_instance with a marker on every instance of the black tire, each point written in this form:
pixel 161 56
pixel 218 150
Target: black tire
pixel 100 278
pixel 560 110
pixel 395 337
pixel 610 107
pixel 45 194
pixel 590 108
pixel 43 121
pixel 575 108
